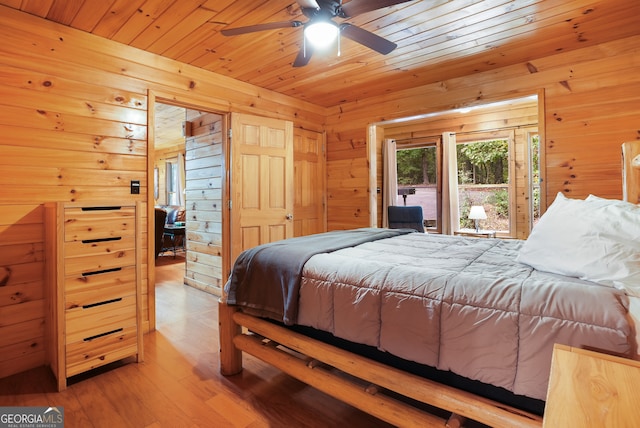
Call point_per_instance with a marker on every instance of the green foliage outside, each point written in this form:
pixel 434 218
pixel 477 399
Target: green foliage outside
pixel 464 208
pixel 535 179
pixel 416 166
pixel 500 200
pixel 484 162
pixel 480 163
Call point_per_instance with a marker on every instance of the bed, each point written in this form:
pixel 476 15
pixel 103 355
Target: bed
pixel 465 307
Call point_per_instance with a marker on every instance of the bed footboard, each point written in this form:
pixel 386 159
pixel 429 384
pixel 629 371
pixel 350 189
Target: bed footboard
pixel 324 367
pixel 230 356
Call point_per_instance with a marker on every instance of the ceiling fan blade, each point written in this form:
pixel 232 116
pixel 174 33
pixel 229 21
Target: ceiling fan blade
pixel 304 56
pixel 308 4
pixel 260 27
pixel 356 7
pixel 367 38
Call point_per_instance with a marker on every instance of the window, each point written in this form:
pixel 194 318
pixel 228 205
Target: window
pixel 483 179
pixel 172 182
pixel 483 171
pixel 534 155
pixel 497 165
pixel 418 181
pixel 156 183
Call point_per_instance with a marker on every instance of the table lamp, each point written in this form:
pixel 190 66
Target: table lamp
pixel 477 213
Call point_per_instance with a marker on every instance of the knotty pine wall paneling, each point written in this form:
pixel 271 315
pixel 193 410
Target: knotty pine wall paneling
pixel 591 107
pixel 73 128
pixel 204 172
pixel 22 293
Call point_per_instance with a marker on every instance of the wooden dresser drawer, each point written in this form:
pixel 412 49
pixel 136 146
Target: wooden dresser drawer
pixel 85 224
pixel 87 258
pixel 89 354
pixel 85 323
pixel 83 290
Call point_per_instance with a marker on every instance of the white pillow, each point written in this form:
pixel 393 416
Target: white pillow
pixel 594 239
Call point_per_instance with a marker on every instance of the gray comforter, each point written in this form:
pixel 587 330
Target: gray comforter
pixel 460 304
pixel 266 279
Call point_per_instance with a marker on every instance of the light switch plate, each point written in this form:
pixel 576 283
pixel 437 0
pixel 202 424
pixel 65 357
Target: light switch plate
pixel 135 187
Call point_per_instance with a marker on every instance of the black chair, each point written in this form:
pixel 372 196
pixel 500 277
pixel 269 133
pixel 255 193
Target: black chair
pixel 402 217
pixel 161 217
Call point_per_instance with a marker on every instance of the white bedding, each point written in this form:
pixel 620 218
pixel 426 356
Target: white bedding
pixel 594 239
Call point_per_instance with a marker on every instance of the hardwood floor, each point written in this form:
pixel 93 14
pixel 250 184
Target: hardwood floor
pixel 178 384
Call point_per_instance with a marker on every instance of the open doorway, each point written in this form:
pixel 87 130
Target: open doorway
pixel 169 171
pixel 186 169
pixel 189 160
pixel 189 157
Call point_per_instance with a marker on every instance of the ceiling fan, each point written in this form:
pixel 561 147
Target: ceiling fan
pixel 321 14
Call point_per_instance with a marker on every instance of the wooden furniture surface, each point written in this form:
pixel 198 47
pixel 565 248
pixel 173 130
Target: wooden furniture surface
pixel 589 389
pixel 94 292
pixel 175 234
pixel 631 172
pixel 324 367
pixel 473 233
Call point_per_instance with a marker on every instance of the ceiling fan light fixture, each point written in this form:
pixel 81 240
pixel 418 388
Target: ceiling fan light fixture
pixel 321 34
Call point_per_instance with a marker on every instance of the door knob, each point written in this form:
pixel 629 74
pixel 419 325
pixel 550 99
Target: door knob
pixel 289 216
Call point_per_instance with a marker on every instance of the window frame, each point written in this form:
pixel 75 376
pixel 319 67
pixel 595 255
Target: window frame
pixel 521 114
pixel 507 134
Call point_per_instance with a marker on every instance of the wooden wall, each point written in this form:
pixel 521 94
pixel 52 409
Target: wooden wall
pixel 73 128
pixel 22 292
pixel 204 189
pixel 591 107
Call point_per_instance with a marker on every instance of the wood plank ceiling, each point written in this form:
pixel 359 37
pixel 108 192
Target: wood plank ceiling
pixel 437 39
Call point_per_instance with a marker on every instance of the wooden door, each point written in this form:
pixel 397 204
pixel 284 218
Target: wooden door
pixel 261 181
pixel 310 182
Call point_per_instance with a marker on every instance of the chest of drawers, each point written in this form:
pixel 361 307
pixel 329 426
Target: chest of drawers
pixel 94 274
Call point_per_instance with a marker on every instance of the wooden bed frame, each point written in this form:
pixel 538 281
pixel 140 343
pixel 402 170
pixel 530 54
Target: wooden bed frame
pixel 354 379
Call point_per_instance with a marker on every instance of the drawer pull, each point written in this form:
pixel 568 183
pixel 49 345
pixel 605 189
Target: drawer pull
pixel 98 272
pixel 106 302
pixel 100 208
pixel 88 339
pixel 91 241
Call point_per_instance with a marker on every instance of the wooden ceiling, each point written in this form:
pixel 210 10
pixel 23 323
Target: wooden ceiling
pixel 169 131
pixel 437 39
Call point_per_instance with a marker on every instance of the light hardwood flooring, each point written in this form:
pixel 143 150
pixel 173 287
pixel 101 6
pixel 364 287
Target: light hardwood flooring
pixel 178 384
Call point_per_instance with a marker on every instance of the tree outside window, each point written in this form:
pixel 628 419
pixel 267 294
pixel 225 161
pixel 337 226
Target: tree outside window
pixel 483 179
